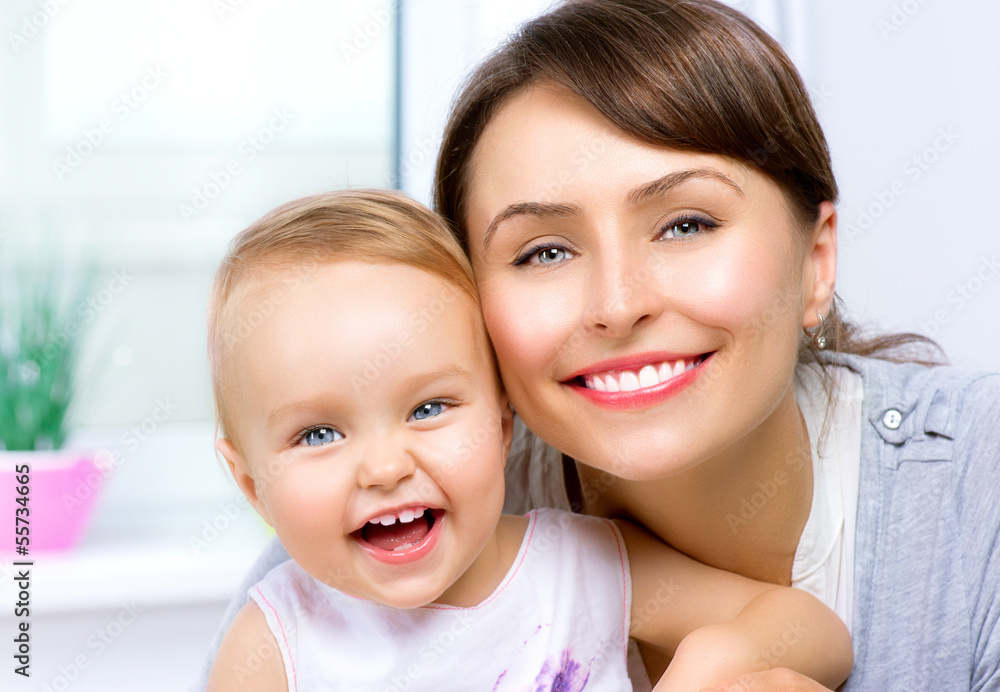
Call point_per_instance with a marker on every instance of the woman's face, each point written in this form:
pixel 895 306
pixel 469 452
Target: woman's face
pixel 646 304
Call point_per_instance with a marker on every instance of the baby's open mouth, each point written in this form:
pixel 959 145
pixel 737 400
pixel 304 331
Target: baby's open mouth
pixel 399 531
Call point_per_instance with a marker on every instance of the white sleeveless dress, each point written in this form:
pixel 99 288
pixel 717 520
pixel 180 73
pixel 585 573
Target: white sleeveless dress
pixel 558 622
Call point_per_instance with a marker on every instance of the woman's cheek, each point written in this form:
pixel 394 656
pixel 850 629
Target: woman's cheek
pixel 742 290
pixel 528 326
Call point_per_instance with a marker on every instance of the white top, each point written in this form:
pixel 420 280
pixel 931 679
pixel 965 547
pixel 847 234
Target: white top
pixel 824 560
pixel 558 621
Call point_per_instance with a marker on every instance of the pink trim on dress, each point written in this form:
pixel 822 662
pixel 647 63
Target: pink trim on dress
pixel 291 661
pixel 507 581
pixel 625 589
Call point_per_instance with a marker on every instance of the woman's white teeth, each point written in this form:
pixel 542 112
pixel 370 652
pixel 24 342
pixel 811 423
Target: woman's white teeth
pixel 629 382
pixel 648 376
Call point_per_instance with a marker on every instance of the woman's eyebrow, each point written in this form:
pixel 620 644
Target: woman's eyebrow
pixel 672 180
pixel 526 209
pixel 635 196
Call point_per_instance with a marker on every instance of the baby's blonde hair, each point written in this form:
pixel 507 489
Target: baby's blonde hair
pixel 373 226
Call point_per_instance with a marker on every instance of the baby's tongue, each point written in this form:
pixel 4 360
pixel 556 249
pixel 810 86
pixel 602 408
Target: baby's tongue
pixel 391 537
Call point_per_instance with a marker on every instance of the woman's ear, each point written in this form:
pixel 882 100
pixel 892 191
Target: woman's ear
pixel 241 474
pixel 821 266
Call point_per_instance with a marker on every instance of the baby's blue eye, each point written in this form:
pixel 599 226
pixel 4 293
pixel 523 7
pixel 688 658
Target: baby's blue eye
pixel 428 410
pixel 321 436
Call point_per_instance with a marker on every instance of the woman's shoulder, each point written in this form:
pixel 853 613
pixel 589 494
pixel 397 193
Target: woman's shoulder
pixel 942 413
pixel 919 413
pixel 948 395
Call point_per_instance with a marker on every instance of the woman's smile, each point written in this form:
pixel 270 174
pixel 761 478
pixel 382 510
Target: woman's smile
pixel 636 381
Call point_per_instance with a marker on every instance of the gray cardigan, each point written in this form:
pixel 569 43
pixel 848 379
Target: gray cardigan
pixel 927 554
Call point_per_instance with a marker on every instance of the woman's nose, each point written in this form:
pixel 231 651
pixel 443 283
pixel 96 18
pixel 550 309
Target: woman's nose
pixel 621 295
pixel 385 465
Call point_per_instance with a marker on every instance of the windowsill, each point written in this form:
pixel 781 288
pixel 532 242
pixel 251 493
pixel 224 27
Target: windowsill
pixel 169 528
pixel 144 558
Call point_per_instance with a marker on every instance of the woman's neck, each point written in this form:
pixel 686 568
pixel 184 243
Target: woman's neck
pixel 742 511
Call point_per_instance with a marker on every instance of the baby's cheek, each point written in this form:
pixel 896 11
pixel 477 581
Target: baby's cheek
pixel 301 496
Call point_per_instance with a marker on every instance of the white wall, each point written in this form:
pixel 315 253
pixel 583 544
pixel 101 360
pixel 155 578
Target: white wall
pixel 910 111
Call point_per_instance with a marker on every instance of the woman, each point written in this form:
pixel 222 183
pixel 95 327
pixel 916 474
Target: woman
pixel 647 199
pixel 640 182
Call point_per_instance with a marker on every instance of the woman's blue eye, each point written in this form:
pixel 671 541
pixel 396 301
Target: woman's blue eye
pixel 321 436
pixel 686 228
pixel 543 255
pixel 428 410
pixel 550 254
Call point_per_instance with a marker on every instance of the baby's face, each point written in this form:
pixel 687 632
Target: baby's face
pixel 370 423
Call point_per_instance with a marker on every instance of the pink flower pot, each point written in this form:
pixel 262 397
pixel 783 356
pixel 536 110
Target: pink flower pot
pixel 63 487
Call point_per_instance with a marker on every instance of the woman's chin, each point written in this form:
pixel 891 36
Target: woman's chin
pixel 638 463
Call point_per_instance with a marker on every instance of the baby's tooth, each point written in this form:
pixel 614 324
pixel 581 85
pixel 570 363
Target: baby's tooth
pixel 406 516
pixel 629 382
pixel 402 547
pixel 387 520
pixel 647 377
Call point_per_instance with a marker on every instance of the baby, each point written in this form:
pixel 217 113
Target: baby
pixel 363 417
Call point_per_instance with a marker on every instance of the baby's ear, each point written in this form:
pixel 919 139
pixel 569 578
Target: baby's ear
pixel 241 474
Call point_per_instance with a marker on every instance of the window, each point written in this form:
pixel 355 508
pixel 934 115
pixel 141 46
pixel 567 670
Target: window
pixel 156 130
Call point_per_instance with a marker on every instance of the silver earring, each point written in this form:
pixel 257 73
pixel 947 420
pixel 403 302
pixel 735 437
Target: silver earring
pixel 815 333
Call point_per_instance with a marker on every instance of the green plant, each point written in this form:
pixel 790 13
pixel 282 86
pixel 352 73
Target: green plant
pixel 39 347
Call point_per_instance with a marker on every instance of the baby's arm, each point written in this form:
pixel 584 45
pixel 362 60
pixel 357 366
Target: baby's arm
pixel 249 659
pixel 717 624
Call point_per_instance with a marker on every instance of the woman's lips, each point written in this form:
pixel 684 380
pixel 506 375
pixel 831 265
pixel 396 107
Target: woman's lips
pixel 638 385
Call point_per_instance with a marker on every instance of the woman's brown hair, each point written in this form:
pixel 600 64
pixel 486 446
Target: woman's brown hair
pixel 691 75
